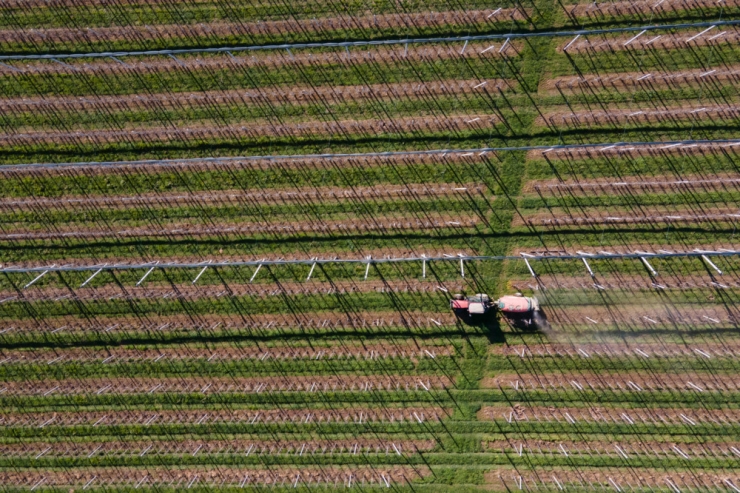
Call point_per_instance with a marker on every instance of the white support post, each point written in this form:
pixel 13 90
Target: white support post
pixel 367 267
pixel 310 273
pixel 200 273
pixel 255 272
pixel 92 276
pixel 588 268
pixel 647 265
pixel 571 42
pixel 147 273
pixel 462 266
pixel 710 263
pixel 692 38
pixel 531 271
pixel 634 38
pixel 36 278
pixel 503 47
pixel 424 266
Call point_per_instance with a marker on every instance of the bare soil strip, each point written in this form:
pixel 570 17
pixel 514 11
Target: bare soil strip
pixel 219 256
pixel 627 282
pixel 624 449
pixel 237 163
pixel 195 292
pixel 344 350
pixel 617 350
pixel 385 414
pixel 621 9
pixel 179 230
pixel 615 479
pixel 642 317
pixel 641 80
pixel 624 381
pixel 589 187
pixel 656 151
pixel 248 323
pixel 725 35
pixel 178 478
pixel 254 130
pixel 654 247
pixel 272 60
pixel 611 415
pixel 280 28
pixel 557 217
pixel 279 95
pixel 587 119
pixel 359 445
pixel 349 383
pixel 262 196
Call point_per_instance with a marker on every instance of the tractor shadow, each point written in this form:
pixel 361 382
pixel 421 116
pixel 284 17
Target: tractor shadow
pixel 495 328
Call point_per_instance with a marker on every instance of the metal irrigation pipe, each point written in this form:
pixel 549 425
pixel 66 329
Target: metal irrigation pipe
pixel 384 42
pixel 358 155
pixel 702 254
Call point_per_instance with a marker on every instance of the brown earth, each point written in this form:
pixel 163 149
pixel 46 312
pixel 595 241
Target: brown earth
pixel 212 478
pixel 347 349
pixel 718 182
pixel 622 478
pixel 359 445
pixel 272 59
pixel 208 416
pixel 641 80
pixel 249 323
pixel 179 230
pixel 556 217
pixel 629 447
pixel 240 163
pixel 626 282
pixel 348 383
pixel 195 292
pixel 616 350
pixel 613 151
pixel 611 415
pixel 220 257
pixel 280 95
pixel 264 196
pixel 652 41
pixel 623 381
pixel 253 130
pixel 228 31
pixel 585 119
pixel 654 247
pixel 620 9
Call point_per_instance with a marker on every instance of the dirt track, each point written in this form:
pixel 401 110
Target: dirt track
pixel 338 57
pixel 130 386
pixel 213 478
pixel 587 119
pixel 281 95
pixel 195 292
pixel 343 350
pixel 623 381
pixel 187 229
pixel 243 31
pixel 248 324
pixel 653 41
pixel 253 130
pixel 192 447
pixel 264 196
pixel 598 10
pixel 354 414
pixel 626 152
pixel 588 187
pixel 641 80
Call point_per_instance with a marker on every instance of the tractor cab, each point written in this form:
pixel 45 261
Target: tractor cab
pixel 479 304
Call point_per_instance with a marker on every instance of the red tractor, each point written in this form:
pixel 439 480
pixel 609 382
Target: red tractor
pixel 520 311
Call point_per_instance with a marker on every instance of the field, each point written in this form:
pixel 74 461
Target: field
pixel 229 233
